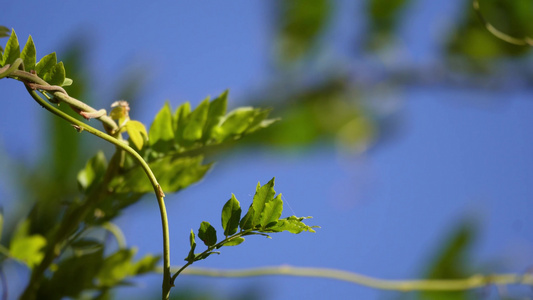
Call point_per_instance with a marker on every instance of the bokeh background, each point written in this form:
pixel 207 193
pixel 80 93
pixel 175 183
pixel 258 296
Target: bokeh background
pixel 405 133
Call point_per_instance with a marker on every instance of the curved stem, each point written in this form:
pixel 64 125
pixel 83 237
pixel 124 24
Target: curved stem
pixel 473 282
pixel 157 188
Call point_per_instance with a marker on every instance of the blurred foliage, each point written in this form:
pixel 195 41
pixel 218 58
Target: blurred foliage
pixel 384 16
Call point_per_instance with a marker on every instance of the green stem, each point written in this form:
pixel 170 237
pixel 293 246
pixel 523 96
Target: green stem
pixel 472 282
pixel 157 188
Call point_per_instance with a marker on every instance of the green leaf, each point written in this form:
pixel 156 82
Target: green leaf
pixel 56 75
pixel 46 64
pixel 174 173
pixel 4 31
pixel 195 125
pixel 137 133
pixel 231 215
pixel 234 242
pixel 263 195
pixel 118 266
pixel 29 54
pixel 207 234
pixel 247 221
pixel 67 82
pixel 191 256
pixel 161 135
pixel 235 123
pixel 25 247
pixel 12 51
pixel 271 212
pixel 93 172
pixel 217 109
pixel 292 224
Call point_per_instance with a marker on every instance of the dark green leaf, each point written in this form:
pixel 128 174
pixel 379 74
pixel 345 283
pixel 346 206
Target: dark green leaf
pixel 234 242
pixel 190 257
pixel 217 109
pixel 119 266
pixel 56 75
pixel 28 55
pixel 263 194
pixel 180 118
pixel 46 64
pixel 195 125
pixel 231 215
pixel 87 244
pixel 207 234
pixel 93 172
pixel 201 256
pixel 271 212
pixel 161 135
pixel 25 247
pixel 247 221
pixel 12 51
pixel 292 224
pixel 4 31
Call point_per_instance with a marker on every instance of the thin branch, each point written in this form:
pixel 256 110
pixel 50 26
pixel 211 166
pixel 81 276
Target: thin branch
pixel 472 282
pixel 526 41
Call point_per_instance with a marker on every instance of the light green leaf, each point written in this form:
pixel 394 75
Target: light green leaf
pixel 146 264
pixel 27 248
pixel 161 135
pixel 190 257
pixel 180 117
pixel 207 234
pixel 292 224
pixel 46 64
pixel 93 172
pixel 195 125
pixel 28 55
pixel 12 51
pixel 247 221
pixel 231 215
pixel 235 123
pixel 174 174
pixel 263 195
pixel 67 82
pixel 217 109
pixel 137 133
pixel 271 212
pixel 234 242
pixel 56 75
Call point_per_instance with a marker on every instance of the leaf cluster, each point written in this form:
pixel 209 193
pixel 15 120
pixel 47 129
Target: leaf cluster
pixel 47 68
pixel 262 218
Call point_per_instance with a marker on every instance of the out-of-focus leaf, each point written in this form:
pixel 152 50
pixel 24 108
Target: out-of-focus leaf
pixel 25 247
pixel 207 234
pixel 173 173
pixel 93 172
pixel 119 266
pixel 29 55
pixel 235 123
pixel 452 262
pixel 300 25
pixel 161 135
pixel 473 41
pixel 4 32
pixel 217 109
pixel 383 18
pixel 12 51
pixel 231 215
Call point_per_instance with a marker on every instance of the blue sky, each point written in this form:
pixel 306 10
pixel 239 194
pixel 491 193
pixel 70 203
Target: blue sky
pixel 459 152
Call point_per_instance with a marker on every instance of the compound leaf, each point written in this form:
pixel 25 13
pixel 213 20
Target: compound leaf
pixel 231 215
pixel 207 234
pixel 29 55
pixel 234 123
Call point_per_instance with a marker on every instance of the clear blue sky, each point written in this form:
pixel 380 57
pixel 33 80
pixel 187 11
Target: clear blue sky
pixel 459 152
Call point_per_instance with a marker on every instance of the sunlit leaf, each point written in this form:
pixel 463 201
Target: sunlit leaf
pixel 137 133
pixel 25 247
pixel 217 109
pixel 56 75
pixel 161 135
pixel 29 54
pixel 292 224
pixel 46 64
pixel 195 125
pixel 247 221
pixel 271 212
pixel 231 215
pixel 234 242
pixel 235 123
pixel 207 234
pixel 263 194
